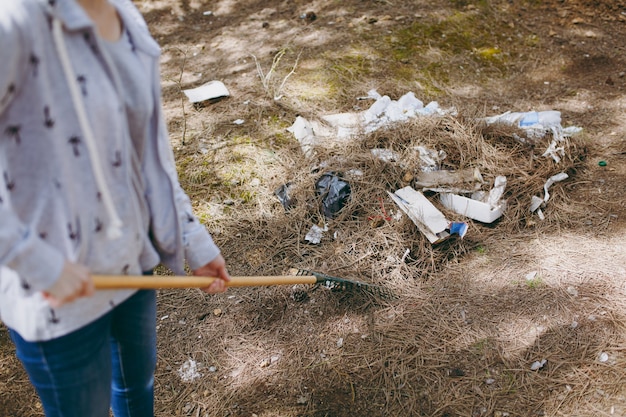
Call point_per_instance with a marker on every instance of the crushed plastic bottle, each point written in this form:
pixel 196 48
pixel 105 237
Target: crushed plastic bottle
pixel 532 119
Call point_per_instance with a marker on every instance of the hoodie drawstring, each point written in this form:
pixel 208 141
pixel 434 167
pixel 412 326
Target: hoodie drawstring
pixel 114 229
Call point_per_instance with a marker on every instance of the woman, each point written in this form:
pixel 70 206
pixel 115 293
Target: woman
pixel 88 185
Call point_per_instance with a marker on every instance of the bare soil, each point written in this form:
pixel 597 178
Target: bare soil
pixel 467 323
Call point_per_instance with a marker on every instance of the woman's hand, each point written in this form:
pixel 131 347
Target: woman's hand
pixel 74 282
pixel 215 268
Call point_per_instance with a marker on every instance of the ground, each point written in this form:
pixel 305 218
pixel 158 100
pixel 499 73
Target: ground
pixel 470 317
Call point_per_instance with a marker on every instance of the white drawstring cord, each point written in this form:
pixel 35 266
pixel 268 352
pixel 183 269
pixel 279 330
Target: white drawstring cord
pixel 114 229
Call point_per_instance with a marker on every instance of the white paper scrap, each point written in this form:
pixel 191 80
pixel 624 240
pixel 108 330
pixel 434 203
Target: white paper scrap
pixel 315 234
pixel 555 178
pixel 189 371
pixel 537 365
pixel 209 91
pixel 428 219
pixel 497 191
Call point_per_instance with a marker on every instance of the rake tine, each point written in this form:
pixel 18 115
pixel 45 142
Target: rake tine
pixel 334 283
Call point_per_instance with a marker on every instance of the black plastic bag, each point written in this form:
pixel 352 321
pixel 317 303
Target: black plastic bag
pixel 284 194
pixel 335 193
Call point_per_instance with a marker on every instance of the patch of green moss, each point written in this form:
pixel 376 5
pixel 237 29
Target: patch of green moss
pixel 282 139
pixel 247 196
pixel 532 40
pixel 344 70
pixel 241 140
pixel 460 36
pixel 481 4
pixel 489 53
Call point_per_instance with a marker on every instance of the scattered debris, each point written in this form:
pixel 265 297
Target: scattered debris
pixel 345 125
pixel 386 155
pixel 484 208
pixel 456 373
pixel 431 159
pixel 303 399
pixel 334 191
pixel 428 219
pixel 536 125
pixel 188 372
pixel 212 90
pixel 536 203
pixel 438 178
pixel 537 365
pixel 314 236
pixel 284 194
pixel 531 275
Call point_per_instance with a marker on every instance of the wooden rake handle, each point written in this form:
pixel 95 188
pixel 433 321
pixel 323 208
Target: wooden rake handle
pixel 116 282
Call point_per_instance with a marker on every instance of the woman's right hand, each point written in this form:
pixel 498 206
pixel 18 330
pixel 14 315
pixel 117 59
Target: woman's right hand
pixel 75 281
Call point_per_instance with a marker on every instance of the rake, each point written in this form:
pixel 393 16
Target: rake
pixel 302 276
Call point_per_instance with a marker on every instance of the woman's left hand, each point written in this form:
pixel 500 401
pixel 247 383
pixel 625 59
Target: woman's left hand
pixel 216 268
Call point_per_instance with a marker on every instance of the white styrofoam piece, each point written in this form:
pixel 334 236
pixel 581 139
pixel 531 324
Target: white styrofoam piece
pixel 473 209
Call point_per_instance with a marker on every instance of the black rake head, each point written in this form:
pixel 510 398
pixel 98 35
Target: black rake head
pixel 342 284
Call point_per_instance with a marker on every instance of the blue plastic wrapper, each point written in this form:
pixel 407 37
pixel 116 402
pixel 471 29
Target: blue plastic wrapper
pixel 458 228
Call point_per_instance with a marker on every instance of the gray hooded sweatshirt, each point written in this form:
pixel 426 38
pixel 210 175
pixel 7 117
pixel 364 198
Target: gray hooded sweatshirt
pixel 83 177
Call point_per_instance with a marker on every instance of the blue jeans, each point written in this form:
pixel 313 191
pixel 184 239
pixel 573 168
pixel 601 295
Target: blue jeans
pixel 108 363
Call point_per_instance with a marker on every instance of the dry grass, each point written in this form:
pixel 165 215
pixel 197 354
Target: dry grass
pixel 467 326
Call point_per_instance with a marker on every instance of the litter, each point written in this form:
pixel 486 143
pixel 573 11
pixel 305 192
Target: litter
pixel 474 209
pixel 429 179
pixel 189 371
pixel 284 195
pixel 483 211
pixel 537 124
pixel 431 159
pixel 315 234
pixel 385 155
pixel 303 131
pixel 344 125
pixel 334 191
pixel 537 365
pixel 428 219
pixel 531 276
pixel 212 90
pixel 555 178
pixel 536 202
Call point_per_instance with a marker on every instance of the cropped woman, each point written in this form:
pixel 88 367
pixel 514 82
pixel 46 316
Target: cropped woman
pixel 88 185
